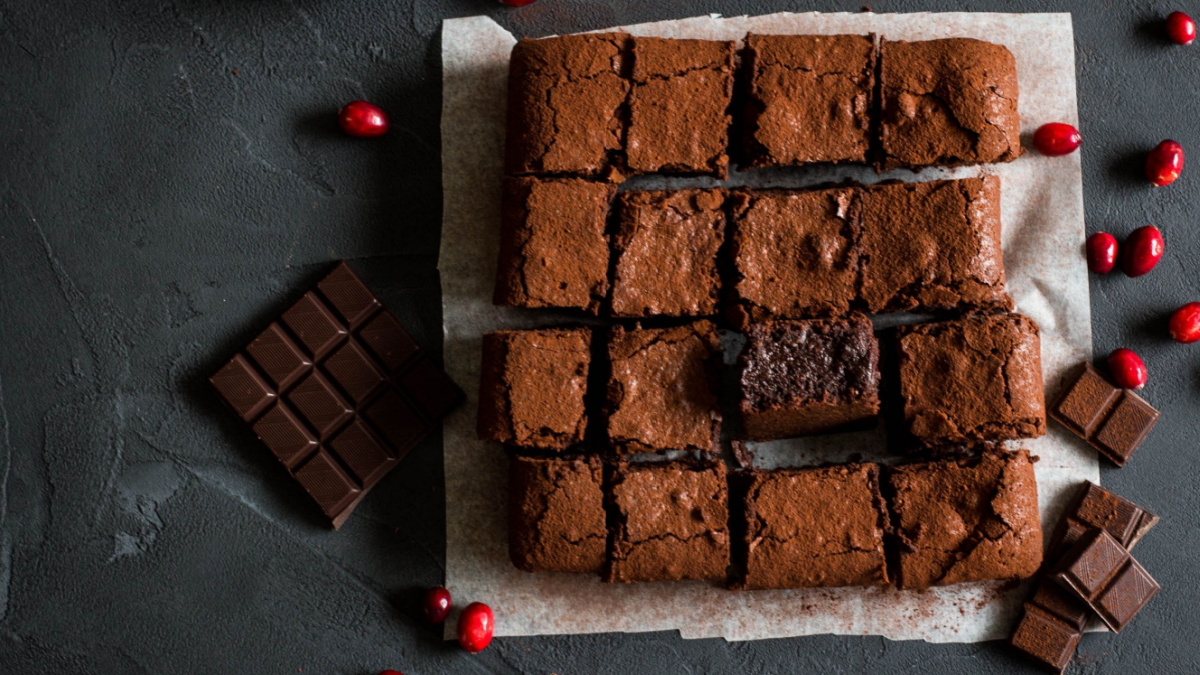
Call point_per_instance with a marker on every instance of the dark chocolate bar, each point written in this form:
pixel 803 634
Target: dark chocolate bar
pixel 1097 508
pixel 1101 572
pixel 338 391
pixel 1113 421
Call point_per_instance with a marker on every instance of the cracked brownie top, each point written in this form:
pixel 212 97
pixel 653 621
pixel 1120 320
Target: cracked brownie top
pixel 810 98
pixel 966 520
pixel 947 102
pixel 810 528
pixel 556 514
pixel 972 380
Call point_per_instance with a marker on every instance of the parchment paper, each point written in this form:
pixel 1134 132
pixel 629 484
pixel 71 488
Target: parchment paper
pixel 1043 229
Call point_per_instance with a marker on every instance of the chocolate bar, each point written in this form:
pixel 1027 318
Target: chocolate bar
pixel 1054 619
pixel 1113 421
pixel 1097 508
pixel 1101 572
pixel 338 391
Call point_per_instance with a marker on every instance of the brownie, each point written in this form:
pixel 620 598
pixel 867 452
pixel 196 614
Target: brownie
pixel 671 522
pixel 961 520
pixel 972 380
pixel 662 389
pixel 553 246
pixel 556 518
pixel 805 377
pixel 948 102
pixel 794 253
pixel 565 104
pixel 531 387
pixel 810 98
pixel 815 527
pixel 679 106
pixel 932 246
pixel 666 253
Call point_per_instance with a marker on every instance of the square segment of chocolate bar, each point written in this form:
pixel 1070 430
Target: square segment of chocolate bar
pixel 1101 572
pixel 1113 421
pixel 338 391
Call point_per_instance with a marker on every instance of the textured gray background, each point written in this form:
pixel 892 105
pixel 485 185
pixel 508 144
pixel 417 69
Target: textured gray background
pixel 170 177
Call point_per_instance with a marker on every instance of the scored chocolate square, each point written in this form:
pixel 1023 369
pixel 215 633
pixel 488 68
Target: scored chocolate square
pixel 1101 572
pixel 1113 421
pixel 337 390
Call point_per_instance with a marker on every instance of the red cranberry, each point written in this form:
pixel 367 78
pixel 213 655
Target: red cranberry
pixel 1185 323
pixel 517 3
pixel 363 119
pixel 1180 28
pixel 1143 249
pixel 391 672
pixel 1101 252
pixel 1164 163
pixel 436 604
pixel 1127 369
pixel 1056 139
pixel 475 627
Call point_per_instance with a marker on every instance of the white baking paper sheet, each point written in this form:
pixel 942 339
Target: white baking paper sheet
pixel 1043 232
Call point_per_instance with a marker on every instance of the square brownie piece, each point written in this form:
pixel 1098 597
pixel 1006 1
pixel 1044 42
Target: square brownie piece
pixel 948 102
pixel 666 253
pixel 794 253
pixel 932 246
pixel 810 98
pixel 671 522
pixel 565 100
pixel 553 246
pixel 532 386
pixel 662 389
pixel 808 528
pixel 556 518
pixel 805 377
pixel 679 106
pixel 965 520
pixel 972 380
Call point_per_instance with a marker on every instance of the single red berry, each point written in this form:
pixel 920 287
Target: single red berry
pixel 391 672
pixel 517 3
pixel 363 119
pixel 1101 252
pixel 1185 323
pixel 437 604
pixel 1127 369
pixel 1180 28
pixel 475 627
pixel 1142 250
pixel 1056 139
pixel 1164 163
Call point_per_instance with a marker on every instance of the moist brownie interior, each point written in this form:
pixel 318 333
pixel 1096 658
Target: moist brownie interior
pixel 531 390
pixel 679 106
pixel 804 377
pixel 666 253
pixel 810 98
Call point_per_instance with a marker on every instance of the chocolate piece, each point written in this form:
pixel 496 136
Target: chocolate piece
pixel 565 100
pixel 679 106
pixel 815 527
pixel 1097 508
pixel 662 391
pixel 1101 572
pixel 338 391
pixel 806 377
pixel 1045 638
pixel 794 253
pixel 948 102
pixel 972 380
pixel 532 385
pixel 972 519
pixel 556 519
pixel 1113 421
pixel 553 249
pixel 671 522
pixel 932 246
pixel 666 253
pixel 810 98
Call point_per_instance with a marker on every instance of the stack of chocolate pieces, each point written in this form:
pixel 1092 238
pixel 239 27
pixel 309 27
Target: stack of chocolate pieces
pixel 1090 573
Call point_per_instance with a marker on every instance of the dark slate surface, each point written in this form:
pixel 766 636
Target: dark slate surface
pixel 171 178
